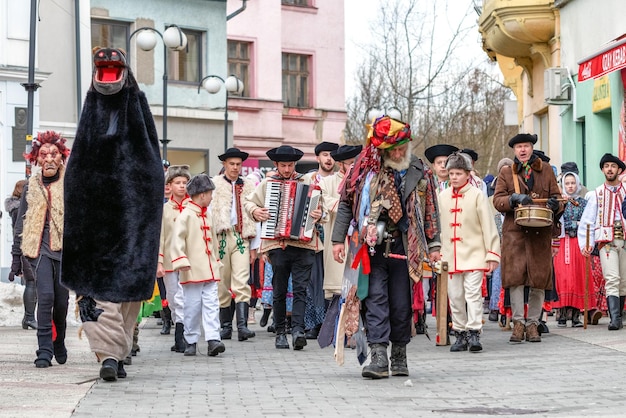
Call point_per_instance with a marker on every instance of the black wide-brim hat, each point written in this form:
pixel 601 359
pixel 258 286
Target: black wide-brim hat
pixel 345 152
pixel 521 138
pixel 439 150
pixel 284 153
pixel 473 154
pixel 325 146
pixel 610 158
pixel 233 153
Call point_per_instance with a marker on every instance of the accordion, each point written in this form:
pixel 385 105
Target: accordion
pixel 290 204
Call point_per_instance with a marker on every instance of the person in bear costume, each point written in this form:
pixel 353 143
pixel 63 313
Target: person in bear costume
pixel 113 208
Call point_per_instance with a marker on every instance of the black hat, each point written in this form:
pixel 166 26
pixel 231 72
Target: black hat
pixel 541 155
pixel 233 153
pixel 569 167
pixel 345 152
pixel 473 154
pixel 439 150
pixel 610 158
pixel 325 146
pixel 199 184
pixel 284 153
pixel 521 138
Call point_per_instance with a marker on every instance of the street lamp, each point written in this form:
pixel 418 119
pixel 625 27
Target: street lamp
pixel 213 84
pixel 173 38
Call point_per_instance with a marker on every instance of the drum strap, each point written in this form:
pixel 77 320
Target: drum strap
pixel 515 182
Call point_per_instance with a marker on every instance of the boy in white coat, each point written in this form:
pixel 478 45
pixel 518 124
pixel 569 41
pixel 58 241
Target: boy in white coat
pixel 193 256
pixel 471 246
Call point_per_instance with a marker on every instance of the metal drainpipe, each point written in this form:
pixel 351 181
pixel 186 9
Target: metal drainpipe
pixel 79 93
pixel 236 12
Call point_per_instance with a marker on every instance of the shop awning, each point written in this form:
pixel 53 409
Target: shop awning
pixel 609 59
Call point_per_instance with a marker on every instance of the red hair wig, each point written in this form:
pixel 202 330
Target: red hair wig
pixel 48 137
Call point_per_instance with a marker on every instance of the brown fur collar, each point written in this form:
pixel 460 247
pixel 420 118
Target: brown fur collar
pixel 536 165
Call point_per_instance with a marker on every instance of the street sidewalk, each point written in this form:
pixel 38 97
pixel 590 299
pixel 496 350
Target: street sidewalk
pixel 573 372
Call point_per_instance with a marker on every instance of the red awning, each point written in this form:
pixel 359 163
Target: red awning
pixel 609 59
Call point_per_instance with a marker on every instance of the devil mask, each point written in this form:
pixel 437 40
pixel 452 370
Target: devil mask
pixel 109 70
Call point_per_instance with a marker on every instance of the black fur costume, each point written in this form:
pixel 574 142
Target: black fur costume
pixel 113 198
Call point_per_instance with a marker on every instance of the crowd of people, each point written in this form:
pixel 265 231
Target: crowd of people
pixel 520 245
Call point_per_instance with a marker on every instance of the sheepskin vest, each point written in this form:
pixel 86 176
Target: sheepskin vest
pixel 222 203
pixel 40 199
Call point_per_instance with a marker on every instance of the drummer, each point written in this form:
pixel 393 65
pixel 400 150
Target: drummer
pixel 526 251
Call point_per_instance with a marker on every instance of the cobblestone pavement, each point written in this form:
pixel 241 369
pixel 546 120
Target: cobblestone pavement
pixel 573 372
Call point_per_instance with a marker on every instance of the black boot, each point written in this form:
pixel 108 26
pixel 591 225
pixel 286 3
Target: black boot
pixel 30 302
pixel 108 371
pixel 615 312
pixel 166 315
pixel 215 347
pixel 398 360
pixel 576 322
pixel 179 340
pixel 272 328
pixel 281 341
pixel 622 299
pixel 243 333
pixel 313 332
pixel 474 341
pixel 420 326
pixel 562 321
pixel 379 366
pixel 461 341
pixel 265 317
pixel 121 373
pixel 226 321
pixel 190 350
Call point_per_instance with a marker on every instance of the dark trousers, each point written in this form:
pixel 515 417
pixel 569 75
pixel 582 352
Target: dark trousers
pixel 53 301
pixel 388 302
pixel 297 262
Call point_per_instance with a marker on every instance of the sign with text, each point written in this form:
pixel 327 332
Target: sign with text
pixel 601 98
pixel 612 59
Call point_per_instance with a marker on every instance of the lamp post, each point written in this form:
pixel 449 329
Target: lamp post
pixel 213 84
pixel 173 38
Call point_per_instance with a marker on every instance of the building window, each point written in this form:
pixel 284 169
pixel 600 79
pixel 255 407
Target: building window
pixel 239 63
pixel 109 34
pixel 296 2
pixel 296 80
pixel 185 65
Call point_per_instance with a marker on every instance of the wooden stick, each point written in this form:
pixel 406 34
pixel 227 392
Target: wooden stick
pixel 442 337
pixel 587 268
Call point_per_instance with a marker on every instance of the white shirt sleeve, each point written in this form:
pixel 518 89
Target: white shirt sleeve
pixel 588 218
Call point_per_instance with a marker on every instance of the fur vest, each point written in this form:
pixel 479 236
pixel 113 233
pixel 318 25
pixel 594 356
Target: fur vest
pixel 39 199
pixel 222 203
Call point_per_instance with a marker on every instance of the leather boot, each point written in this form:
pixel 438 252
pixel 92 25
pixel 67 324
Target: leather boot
pixel 576 322
pixel 420 326
pixel 562 321
pixel 532 333
pixel 265 317
pixel 379 366
pixel 473 341
pixel 121 373
pixel 398 360
pixel 190 350
pixel 594 316
pixel 179 340
pixel 166 315
pixel 215 347
pixel 108 371
pixel 615 312
pixel 30 302
pixel 517 336
pixel 243 333
pixel 281 341
pixel 461 341
pixel 226 321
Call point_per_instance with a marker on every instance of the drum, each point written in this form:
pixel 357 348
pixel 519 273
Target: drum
pixel 533 216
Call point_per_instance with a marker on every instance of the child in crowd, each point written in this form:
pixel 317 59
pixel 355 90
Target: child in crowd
pixel 471 246
pixel 176 177
pixel 193 257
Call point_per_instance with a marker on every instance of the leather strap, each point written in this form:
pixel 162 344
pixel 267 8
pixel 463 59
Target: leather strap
pixel 515 181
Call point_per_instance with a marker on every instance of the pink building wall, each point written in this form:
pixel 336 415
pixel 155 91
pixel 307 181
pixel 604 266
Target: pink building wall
pixel 273 28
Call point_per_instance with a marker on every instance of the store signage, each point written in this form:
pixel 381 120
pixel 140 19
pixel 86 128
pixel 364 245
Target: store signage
pixel 601 99
pixel 605 62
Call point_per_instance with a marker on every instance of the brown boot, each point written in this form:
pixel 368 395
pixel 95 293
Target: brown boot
pixel 532 334
pixel 518 332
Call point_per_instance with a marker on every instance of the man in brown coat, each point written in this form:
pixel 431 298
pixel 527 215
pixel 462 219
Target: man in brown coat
pixel 526 251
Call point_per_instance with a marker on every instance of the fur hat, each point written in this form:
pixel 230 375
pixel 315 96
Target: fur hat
pixel 504 162
pixel 460 161
pixel 610 158
pixel 199 184
pixel 521 138
pixel 177 171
